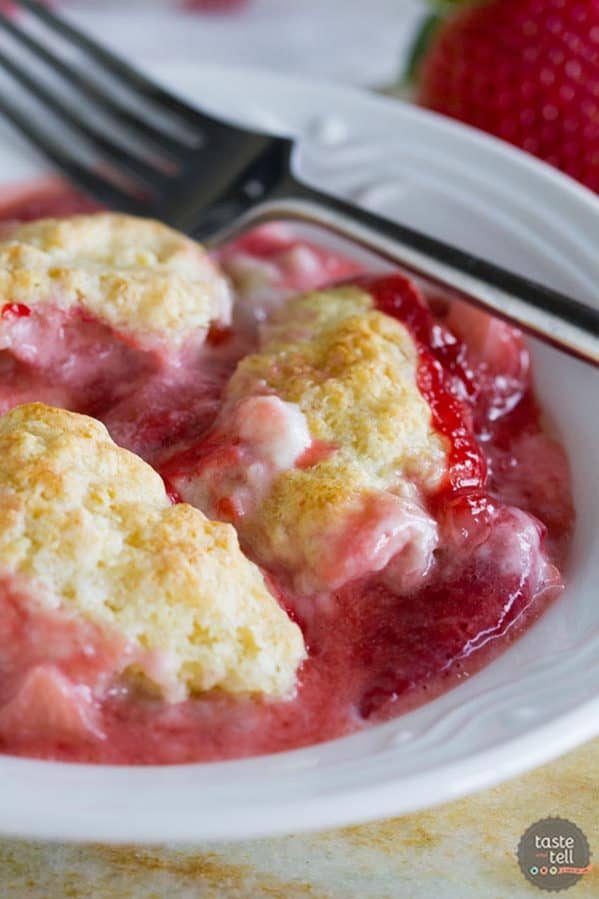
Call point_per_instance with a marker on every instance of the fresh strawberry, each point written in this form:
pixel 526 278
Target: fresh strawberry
pixel 524 70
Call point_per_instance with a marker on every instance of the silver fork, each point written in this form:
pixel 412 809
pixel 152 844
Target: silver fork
pixel 158 156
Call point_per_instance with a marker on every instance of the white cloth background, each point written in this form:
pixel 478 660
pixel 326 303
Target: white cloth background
pixel 356 41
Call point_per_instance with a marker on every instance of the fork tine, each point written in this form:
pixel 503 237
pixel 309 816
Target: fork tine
pixel 100 188
pixel 136 166
pixel 124 116
pixel 118 67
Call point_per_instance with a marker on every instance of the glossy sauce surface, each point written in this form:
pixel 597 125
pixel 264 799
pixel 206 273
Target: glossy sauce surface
pixel 372 653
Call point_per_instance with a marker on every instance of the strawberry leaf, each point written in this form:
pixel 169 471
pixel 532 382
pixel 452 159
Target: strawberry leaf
pixel 421 43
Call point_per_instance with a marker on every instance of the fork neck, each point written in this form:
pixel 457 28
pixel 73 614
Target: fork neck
pixel 257 169
pixel 562 321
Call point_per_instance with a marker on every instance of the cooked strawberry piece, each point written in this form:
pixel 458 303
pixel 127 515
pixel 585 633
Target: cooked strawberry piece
pixel 50 708
pixel 15 310
pixel 441 364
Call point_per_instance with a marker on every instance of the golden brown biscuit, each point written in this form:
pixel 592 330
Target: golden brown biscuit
pixel 350 371
pixel 133 274
pixel 89 527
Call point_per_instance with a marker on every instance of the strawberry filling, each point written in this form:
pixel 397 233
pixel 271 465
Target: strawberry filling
pixel 472 565
pixel 66 358
pixel 442 366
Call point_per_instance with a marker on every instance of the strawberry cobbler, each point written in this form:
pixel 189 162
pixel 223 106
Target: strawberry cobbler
pixel 252 501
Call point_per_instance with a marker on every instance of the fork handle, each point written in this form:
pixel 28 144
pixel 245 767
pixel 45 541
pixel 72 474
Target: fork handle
pixel 566 323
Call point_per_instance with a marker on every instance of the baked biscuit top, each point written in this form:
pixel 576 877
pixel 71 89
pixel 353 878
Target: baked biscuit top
pixel 135 275
pixel 352 372
pixel 334 384
pixel 88 528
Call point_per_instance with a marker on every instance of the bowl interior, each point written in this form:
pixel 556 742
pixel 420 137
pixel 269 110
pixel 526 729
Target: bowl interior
pixel 542 695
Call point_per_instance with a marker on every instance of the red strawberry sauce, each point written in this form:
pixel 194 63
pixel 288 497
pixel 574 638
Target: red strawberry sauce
pixel 441 359
pixel 15 310
pixel 504 514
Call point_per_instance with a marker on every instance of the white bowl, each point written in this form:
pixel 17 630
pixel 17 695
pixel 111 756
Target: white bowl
pixel 538 699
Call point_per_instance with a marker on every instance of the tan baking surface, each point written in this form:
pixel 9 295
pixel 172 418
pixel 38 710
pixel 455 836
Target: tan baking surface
pixel 461 850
